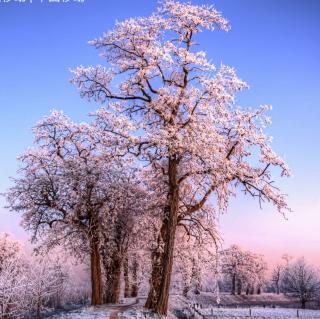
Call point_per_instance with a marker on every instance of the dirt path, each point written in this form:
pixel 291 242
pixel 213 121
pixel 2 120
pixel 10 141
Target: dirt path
pixel 115 312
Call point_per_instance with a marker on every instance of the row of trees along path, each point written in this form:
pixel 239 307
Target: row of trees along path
pixel 168 113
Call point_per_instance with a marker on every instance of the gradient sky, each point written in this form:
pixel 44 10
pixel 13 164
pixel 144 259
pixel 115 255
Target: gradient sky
pixel 273 44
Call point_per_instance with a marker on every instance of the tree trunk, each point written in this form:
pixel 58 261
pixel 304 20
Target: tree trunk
pixel 126 277
pixel 96 293
pixel 195 278
pixel 162 256
pixel 134 287
pixel 239 287
pixel 112 293
pixel 38 313
pixel 303 304
pixel 259 290
pixel 233 284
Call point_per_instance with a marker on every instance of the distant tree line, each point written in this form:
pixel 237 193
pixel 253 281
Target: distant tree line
pixel 296 278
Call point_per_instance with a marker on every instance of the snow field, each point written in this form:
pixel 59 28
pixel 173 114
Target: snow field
pixel 256 313
pixel 101 312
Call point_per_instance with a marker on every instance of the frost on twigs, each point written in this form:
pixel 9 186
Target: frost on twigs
pixel 170 118
pixel 178 104
pixel 197 145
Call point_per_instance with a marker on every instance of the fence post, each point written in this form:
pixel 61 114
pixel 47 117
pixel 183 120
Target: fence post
pixel 249 311
pixel 298 313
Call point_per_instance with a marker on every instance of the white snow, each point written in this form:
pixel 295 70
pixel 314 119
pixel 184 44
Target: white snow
pixel 257 313
pixel 141 313
pixel 138 312
pixel 99 312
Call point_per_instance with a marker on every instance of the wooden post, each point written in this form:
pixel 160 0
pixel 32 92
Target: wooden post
pixel 297 313
pixel 249 311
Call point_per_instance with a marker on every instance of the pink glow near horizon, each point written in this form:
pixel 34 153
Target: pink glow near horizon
pixel 269 233
pixel 264 232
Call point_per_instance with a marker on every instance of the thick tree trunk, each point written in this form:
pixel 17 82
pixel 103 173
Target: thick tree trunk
pixel 303 304
pixel 96 286
pixel 162 257
pixel 112 293
pixel 126 277
pixel 134 287
pixel 233 284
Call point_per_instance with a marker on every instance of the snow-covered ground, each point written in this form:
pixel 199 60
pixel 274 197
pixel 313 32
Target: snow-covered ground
pixel 98 312
pixel 257 313
pixel 208 299
pixel 230 313
pixel 136 311
pixel 101 312
pixel 141 313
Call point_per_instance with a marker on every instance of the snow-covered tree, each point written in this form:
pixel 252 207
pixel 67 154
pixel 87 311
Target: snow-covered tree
pixel 245 270
pixel 9 249
pixel 12 279
pixel 118 233
pixel 301 280
pixel 277 276
pixel 183 120
pixel 65 189
pixel 31 285
pixel 195 261
pixel 234 265
pixel 259 270
pixel 47 281
pixel 140 249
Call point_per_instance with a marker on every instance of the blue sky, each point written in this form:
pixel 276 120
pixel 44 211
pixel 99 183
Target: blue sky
pixel 273 44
